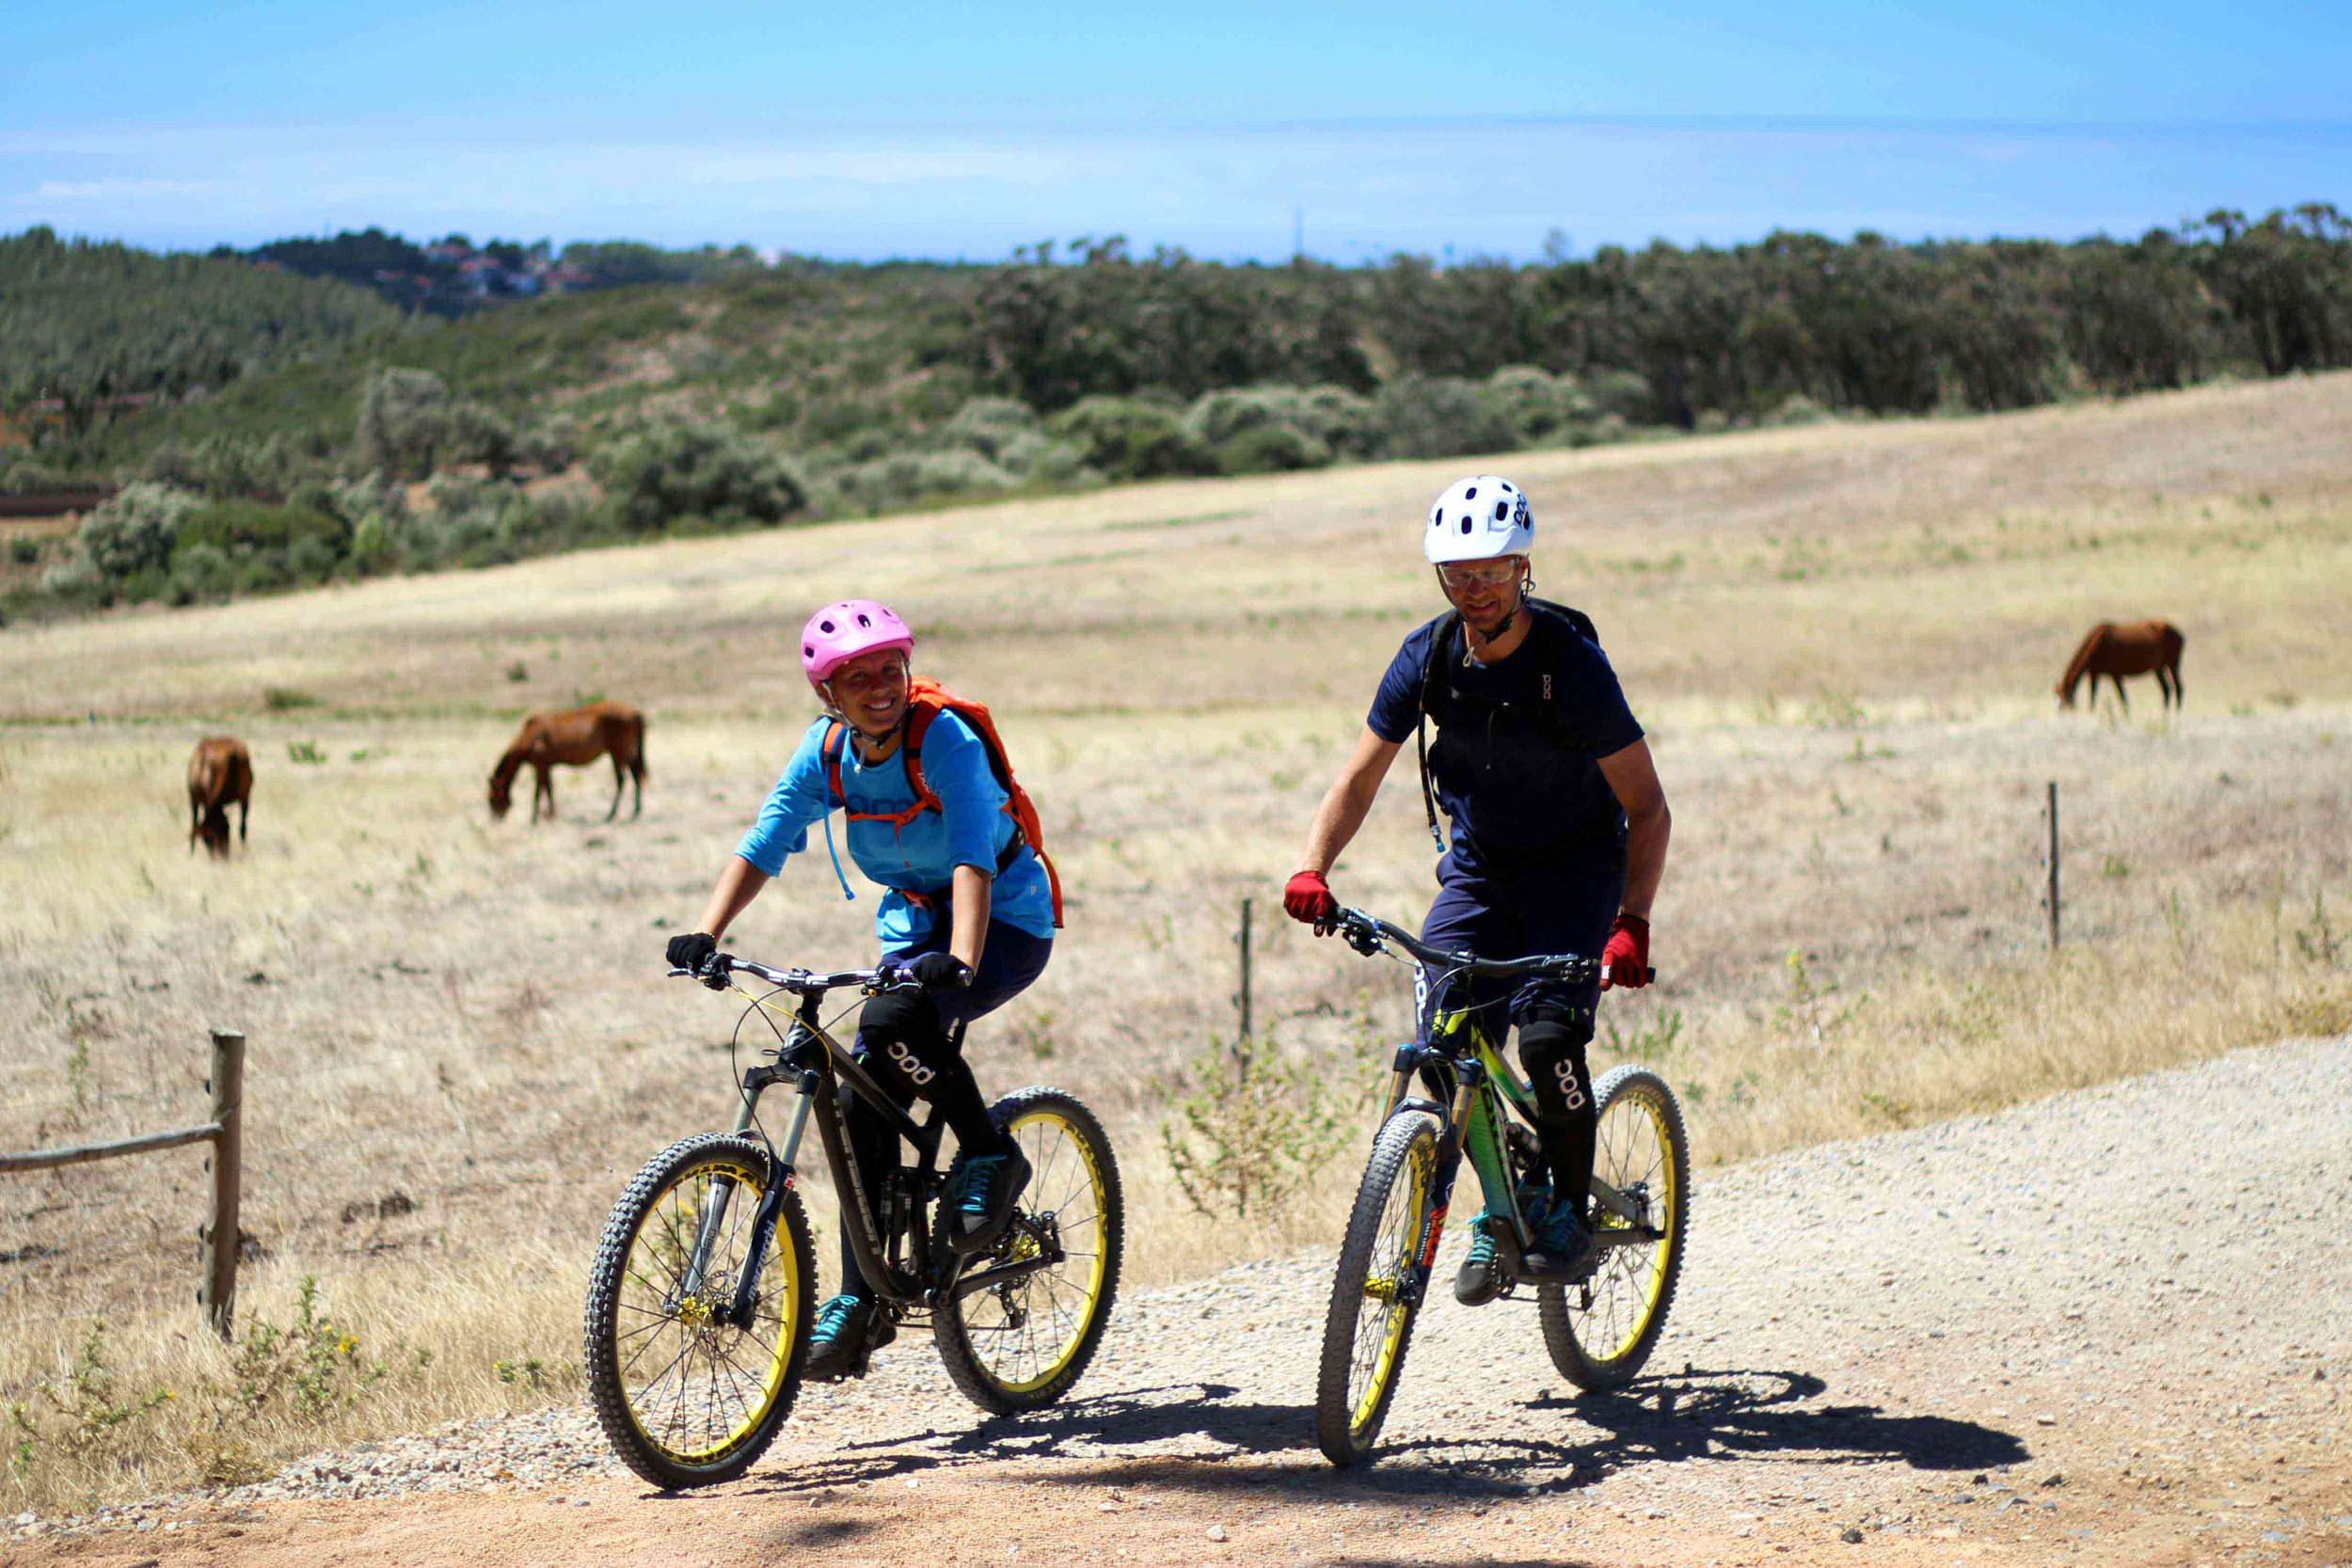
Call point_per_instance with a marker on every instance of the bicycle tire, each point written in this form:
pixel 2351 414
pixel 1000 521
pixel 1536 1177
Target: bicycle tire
pixel 1348 1420
pixel 669 1460
pixel 1044 1121
pixel 1650 1281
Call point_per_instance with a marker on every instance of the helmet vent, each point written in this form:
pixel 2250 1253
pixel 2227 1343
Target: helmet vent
pixel 1471 494
pixel 826 626
pixel 1502 509
pixel 1467 521
pixel 864 620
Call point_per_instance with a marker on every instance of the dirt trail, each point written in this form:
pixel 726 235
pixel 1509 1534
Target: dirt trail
pixel 2113 1327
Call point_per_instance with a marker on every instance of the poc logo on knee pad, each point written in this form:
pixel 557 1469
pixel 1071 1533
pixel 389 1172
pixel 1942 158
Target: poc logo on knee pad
pixel 1571 1088
pixel 910 1064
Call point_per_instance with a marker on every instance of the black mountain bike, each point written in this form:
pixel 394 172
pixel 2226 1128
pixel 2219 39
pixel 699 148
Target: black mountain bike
pixel 1600 1330
pixel 703 1289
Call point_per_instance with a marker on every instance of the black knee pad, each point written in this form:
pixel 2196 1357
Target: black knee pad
pixel 1551 1048
pixel 904 1037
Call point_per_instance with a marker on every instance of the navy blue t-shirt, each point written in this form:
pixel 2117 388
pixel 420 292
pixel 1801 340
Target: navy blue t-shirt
pixel 1513 747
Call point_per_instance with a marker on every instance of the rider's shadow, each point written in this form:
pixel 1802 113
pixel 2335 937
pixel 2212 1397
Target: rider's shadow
pixel 1166 1414
pixel 1691 1417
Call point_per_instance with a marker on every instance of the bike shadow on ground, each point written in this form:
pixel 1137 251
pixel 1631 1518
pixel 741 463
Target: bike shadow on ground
pixel 1181 1435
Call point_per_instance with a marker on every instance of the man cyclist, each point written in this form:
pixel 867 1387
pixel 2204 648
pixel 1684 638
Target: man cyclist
pixel 1559 833
pixel 968 912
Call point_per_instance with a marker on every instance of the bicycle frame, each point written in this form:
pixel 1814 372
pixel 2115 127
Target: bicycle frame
pixel 818 1065
pixel 1474 1120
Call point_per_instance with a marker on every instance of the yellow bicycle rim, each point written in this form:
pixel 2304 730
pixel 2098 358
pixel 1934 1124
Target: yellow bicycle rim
pixel 666 1232
pixel 1388 1287
pixel 1070 1301
pixel 1665 1203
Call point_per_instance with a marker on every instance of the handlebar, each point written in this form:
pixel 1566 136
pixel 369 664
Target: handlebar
pixel 1369 935
pixel 801 982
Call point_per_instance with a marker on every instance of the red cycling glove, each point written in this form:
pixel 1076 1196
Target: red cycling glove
pixel 1306 897
pixel 1625 962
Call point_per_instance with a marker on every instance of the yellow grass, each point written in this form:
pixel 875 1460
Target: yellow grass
pixel 1842 638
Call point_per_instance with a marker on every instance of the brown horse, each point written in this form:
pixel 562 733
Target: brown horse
pixel 220 775
pixel 2132 648
pixel 577 737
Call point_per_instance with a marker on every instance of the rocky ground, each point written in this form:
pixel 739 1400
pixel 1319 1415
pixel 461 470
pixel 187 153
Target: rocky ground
pixel 2113 1326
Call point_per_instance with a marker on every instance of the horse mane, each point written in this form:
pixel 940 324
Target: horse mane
pixel 2080 662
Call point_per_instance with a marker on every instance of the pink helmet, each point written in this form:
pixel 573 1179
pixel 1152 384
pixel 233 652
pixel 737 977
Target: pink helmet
pixel 840 632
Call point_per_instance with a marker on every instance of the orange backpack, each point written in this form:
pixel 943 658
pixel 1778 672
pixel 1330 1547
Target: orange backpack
pixel 926 701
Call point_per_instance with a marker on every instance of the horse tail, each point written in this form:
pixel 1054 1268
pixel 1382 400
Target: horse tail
pixel 2081 662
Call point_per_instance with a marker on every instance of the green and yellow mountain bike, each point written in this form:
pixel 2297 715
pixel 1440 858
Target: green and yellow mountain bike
pixel 1453 1094
pixel 703 1289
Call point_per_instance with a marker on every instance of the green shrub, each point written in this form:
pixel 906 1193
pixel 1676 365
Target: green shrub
pixel 256 525
pixel 1441 416
pixel 135 531
pixel 1271 448
pixel 990 425
pixel 1349 424
pixel 1540 408
pixel 25 552
pixel 676 469
pixel 405 418
pixel 1624 393
pixel 202 572
pixel 1129 437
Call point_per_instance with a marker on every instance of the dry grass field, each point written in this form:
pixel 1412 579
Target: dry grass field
pixel 1842 638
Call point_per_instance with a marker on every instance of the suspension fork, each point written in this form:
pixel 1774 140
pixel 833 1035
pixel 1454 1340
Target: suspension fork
pixel 1468 1088
pixel 757 1082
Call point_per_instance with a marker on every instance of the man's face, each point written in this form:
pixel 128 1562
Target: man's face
pixel 1483 590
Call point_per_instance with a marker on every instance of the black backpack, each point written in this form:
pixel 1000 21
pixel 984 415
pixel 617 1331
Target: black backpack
pixel 1549 621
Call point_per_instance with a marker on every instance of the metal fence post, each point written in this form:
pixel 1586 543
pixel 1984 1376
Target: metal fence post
pixel 1242 997
pixel 2053 866
pixel 227 1083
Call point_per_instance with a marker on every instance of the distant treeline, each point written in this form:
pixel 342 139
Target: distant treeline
pixel 1866 325
pixel 721 392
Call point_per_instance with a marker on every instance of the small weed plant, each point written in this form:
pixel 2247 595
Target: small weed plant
pixel 1257 1131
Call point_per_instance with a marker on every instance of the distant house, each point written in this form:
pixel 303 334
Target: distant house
pixel 570 278
pixel 449 251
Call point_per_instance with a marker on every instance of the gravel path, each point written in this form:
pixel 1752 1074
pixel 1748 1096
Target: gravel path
pixel 2113 1325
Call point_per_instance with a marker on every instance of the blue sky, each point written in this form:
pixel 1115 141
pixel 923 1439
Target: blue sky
pixel 964 130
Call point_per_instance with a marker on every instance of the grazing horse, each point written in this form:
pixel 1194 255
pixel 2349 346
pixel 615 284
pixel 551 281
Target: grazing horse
pixel 220 775
pixel 2130 648
pixel 577 737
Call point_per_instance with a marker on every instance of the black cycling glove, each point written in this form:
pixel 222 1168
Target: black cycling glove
pixel 691 951
pixel 940 972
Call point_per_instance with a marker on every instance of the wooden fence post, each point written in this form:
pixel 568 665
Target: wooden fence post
pixel 227 1083
pixel 2053 895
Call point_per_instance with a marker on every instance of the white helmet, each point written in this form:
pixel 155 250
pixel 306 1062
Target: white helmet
pixel 1478 520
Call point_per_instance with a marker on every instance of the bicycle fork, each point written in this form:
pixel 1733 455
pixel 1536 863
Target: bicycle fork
pixel 738 1311
pixel 1465 1094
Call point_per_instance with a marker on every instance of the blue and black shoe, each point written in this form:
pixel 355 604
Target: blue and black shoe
pixel 847 1330
pixel 1481 1277
pixel 982 1192
pixel 1560 1250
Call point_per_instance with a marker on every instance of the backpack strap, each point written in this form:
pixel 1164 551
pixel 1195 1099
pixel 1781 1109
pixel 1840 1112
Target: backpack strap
pixel 1441 639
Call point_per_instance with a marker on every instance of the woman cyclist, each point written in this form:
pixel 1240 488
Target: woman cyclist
pixel 968 912
pixel 1560 830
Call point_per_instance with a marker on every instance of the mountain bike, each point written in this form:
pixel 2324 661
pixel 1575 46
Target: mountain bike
pixel 1452 1093
pixel 702 1292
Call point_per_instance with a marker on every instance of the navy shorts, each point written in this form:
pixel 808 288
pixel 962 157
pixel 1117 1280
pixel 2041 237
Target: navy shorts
pixel 1565 908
